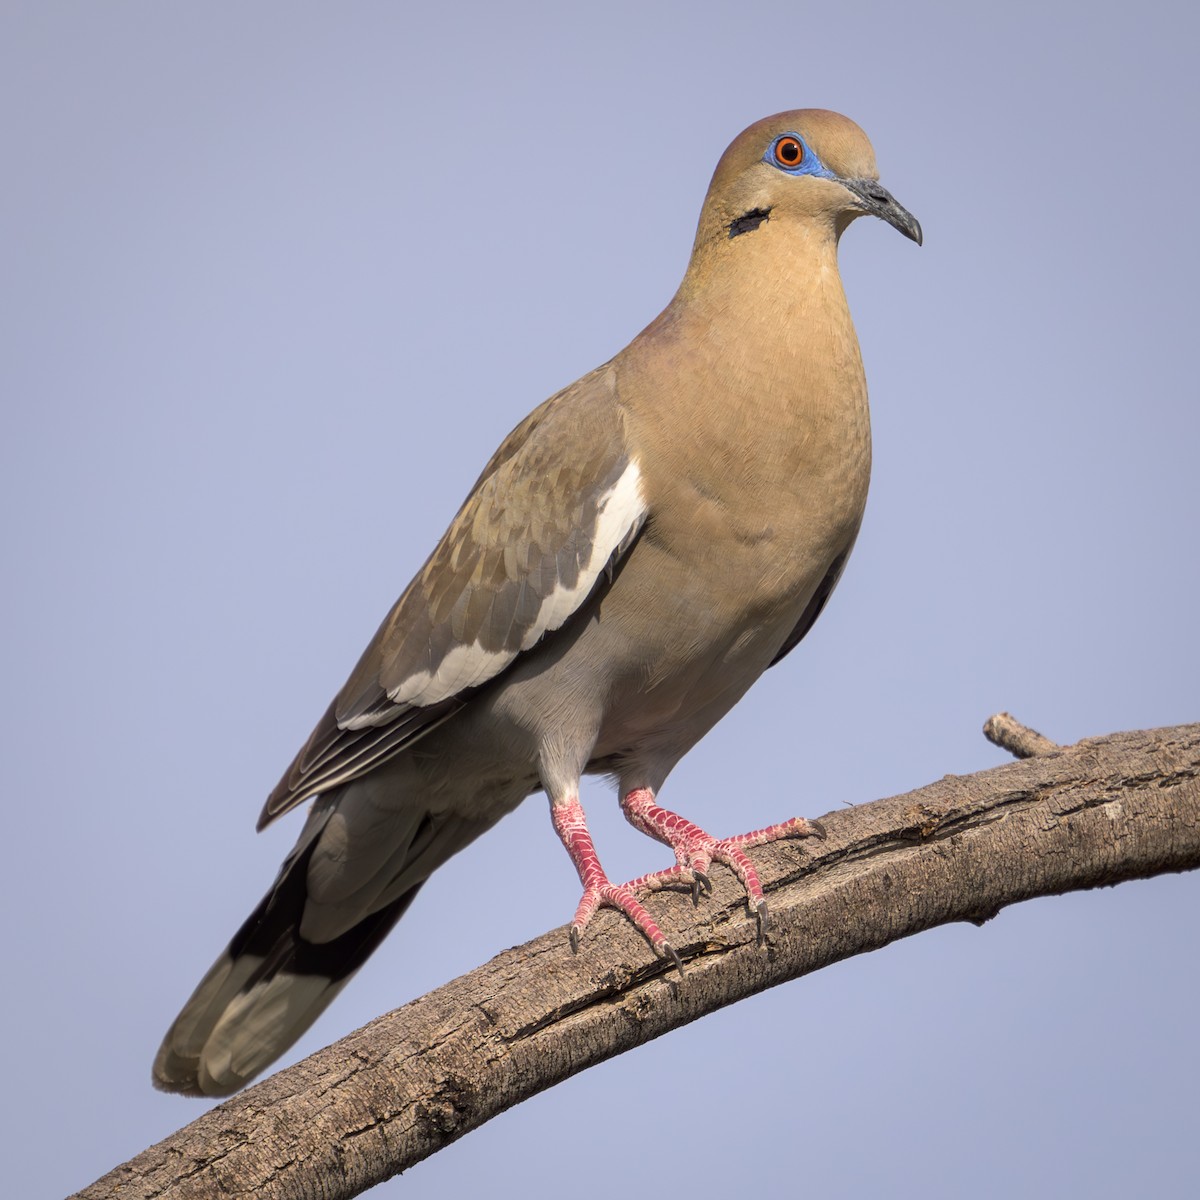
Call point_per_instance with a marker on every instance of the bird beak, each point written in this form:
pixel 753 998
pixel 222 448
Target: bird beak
pixel 879 202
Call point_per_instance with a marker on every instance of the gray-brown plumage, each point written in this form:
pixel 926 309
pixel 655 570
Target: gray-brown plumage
pixel 636 553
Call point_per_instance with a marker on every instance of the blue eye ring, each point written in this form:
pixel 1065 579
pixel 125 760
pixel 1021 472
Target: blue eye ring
pixel 789 152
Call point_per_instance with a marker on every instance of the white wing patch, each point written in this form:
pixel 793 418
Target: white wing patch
pixel 463 667
pixel 619 512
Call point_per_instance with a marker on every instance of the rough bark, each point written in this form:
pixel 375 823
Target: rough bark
pixel 1097 813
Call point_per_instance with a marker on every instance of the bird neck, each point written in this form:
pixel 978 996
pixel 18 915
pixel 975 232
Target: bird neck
pixel 763 316
pixel 782 269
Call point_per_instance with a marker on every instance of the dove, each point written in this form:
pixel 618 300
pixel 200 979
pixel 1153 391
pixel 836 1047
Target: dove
pixel 638 551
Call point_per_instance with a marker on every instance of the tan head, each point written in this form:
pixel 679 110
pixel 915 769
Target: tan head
pixel 809 166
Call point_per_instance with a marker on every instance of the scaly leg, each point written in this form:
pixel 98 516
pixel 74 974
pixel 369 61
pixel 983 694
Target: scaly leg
pixel 696 851
pixel 570 824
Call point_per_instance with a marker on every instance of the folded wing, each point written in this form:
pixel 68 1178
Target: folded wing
pixel 557 506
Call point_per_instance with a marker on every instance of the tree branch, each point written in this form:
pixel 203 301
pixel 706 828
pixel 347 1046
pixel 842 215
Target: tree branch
pixel 399 1089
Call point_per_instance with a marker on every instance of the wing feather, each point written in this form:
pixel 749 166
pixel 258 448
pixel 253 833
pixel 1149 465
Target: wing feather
pixel 559 502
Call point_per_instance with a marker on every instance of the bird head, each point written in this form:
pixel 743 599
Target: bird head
pixel 811 168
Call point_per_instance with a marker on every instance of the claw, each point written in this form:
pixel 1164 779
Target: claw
pixel 694 850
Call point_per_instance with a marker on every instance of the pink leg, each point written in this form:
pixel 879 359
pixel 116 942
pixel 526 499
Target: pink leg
pixel 571 826
pixel 696 850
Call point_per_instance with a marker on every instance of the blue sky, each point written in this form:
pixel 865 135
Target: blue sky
pixel 277 278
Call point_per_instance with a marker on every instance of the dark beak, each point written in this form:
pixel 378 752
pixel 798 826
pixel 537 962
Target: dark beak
pixel 879 202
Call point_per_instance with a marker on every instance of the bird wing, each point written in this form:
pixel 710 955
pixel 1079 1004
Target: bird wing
pixel 815 606
pixel 555 509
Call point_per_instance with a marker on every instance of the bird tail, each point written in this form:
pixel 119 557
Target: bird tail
pixel 266 989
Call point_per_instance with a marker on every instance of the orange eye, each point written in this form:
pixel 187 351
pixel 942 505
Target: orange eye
pixel 789 152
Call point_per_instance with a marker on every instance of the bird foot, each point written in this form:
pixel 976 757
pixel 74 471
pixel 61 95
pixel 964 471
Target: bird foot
pixel 696 850
pixel 620 896
pixel 598 890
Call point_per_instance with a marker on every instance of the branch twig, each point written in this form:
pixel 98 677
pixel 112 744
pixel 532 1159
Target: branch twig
pixel 1005 731
pixel 404 1086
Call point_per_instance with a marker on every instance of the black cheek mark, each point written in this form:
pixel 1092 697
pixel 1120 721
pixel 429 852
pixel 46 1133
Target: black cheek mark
pixel 748 222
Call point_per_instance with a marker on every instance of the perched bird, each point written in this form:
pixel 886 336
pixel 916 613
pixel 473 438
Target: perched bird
pixel 636 553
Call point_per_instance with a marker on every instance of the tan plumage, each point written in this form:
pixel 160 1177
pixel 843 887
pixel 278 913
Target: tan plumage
pixel 635 554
